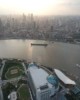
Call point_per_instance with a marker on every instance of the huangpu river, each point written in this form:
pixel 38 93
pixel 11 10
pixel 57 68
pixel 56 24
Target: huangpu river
pixel 56 54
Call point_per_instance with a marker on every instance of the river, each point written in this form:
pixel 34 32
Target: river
pixel 56 54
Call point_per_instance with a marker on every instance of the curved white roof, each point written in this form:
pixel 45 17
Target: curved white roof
pixel 39 76
pixel 63 77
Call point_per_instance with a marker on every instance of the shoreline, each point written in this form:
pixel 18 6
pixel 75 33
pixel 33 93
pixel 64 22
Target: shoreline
pixel 46 40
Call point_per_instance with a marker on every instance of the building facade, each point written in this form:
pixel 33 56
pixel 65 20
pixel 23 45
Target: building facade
pixel 43 86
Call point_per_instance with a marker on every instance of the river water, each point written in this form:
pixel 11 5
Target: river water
pixel 56 54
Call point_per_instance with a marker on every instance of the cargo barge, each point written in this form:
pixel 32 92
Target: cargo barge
pixel 38 44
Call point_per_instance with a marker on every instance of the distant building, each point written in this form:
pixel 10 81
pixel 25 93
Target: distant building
pixel 12 96
pixel 51 28
pixel 43 85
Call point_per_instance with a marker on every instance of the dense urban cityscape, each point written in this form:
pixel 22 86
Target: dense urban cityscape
pixel 39 49
pixel 59 28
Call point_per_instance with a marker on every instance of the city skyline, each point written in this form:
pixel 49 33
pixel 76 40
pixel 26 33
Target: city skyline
pixel 40 7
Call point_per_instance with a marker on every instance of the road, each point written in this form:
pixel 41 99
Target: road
pixel 24 68
pixel 3 63
pixel 1 94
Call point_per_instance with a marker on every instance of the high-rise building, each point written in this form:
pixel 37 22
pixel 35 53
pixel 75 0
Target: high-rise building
pixel 43 85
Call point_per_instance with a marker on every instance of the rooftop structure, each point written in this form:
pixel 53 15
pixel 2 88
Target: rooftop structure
pixel 39 76
pixel 12 96
pixel 64 78
pixel 75 92
pixel 42 84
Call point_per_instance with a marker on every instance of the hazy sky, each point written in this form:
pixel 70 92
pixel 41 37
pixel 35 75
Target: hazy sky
pixel 40 7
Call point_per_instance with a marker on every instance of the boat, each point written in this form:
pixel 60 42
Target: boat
pixel 38 44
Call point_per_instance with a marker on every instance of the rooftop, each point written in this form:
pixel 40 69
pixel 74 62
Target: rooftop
pixel 39 76
pixel 75 90
pixel 63 77
pixel 13 96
